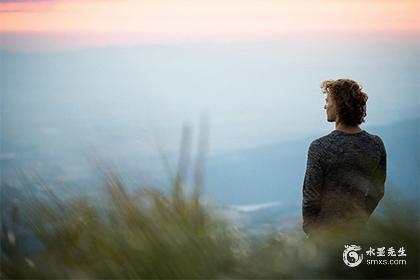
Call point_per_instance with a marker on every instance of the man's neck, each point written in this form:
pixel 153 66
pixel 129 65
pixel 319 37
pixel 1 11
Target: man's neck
pixel 347 128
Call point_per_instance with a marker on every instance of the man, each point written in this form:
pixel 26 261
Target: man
pixel 346 169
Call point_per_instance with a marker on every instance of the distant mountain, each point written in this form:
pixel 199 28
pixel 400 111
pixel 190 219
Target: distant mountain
pixel 275 172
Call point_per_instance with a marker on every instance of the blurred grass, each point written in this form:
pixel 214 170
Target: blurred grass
pixel 143 235
pixel 149 234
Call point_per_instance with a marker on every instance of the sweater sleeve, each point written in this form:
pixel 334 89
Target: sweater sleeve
pixel 381 171
pixel 312 187
pixel 379 177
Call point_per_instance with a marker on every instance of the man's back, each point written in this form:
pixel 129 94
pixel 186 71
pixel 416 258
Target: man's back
pixel 344 180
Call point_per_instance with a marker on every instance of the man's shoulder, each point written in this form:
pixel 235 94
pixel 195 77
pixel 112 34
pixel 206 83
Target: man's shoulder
pixel 323 140
pixel 377 139
pixel 320 144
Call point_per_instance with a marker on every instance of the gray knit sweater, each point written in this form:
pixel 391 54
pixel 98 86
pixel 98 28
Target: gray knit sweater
pixel 344 179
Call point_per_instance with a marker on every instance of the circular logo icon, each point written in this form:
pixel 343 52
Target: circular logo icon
pixel 351 257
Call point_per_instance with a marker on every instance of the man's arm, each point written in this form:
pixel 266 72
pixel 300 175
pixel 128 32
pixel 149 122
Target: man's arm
pixel 381 170
pixel 373 197
pixel 312 187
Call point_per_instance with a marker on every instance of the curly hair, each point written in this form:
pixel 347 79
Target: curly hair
pixel 349 98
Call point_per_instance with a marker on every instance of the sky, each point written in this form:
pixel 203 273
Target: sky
pixel 63 24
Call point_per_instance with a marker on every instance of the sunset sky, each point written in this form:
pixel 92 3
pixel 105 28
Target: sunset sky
pixel 75 23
